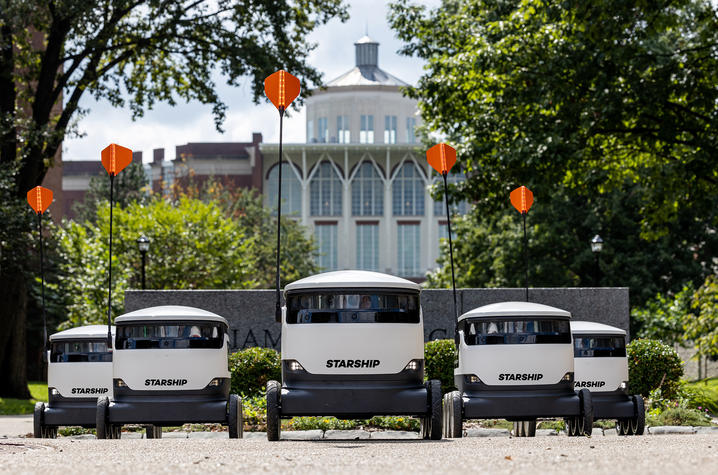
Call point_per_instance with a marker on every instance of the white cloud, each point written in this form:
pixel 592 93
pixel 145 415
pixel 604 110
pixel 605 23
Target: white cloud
pixel 166 127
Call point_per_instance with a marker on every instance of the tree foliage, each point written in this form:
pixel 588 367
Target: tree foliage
pixel 702 326
pixel 130 186
pixel 605 109
pixel 127 52
pixel 663 318
pixel 193 245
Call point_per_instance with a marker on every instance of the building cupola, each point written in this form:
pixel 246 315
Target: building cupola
pixel 367 52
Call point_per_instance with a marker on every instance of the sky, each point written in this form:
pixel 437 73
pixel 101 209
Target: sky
pixel 166 126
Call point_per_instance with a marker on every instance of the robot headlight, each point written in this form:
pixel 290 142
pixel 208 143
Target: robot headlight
pixel 215 382
pixel 472 378
pixel 414 365
pixel 294 365
pixel 119 383
pixel 567 377
pixel 54 392
pixel 623 385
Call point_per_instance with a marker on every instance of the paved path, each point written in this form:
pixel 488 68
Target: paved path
pixel 683 454
pixel 21 426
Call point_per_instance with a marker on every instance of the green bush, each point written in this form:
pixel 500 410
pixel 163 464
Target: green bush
pixel 439 358
pixel 679 416
pixel 653 365
pixel 251 368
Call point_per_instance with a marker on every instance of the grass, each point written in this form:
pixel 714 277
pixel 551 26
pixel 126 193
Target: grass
pixel 11 406
pixel 706 394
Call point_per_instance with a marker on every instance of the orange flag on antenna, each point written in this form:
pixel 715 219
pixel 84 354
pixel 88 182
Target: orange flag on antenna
pixel 441 157
pixel 281 88
pixel 39 199
pixel 522 199
pixel 115 158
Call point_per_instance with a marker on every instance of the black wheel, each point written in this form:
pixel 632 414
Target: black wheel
pixel 638 423
pixel 102 425
pixel 49 432
pixel 529 428
pixel 274 421
pixel 569 426
pixel 623 427
pixel 236 421
pixel 445 415
pixel 153 432
pixel 454 424
pixel 38 418
pixel 433 389
pixel 585 425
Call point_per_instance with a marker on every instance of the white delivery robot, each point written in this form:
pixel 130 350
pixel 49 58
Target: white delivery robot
pixel 515 362
pixel 353 347
pixel 79 371
pixel 601 366
pixel 170 368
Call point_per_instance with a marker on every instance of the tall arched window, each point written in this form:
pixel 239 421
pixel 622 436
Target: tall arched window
pixel 367 192
pixel 459 208
pixel 291 190
pixel 325 192
pixel 408 191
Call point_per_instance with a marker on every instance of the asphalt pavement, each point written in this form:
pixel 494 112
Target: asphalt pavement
pixel 668 450
pixel 690 454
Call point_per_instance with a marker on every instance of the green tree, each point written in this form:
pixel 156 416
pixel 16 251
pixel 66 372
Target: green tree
pixel 604 109
pixel 195 245
pixel 126 52
pixel 245 206
pixel 130 186
pixel 702 327
pixel 664 317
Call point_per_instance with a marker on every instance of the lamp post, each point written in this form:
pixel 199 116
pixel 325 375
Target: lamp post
pixel 143 244
pixel 596 248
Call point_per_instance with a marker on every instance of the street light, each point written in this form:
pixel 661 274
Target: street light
pixel 596 248
pixel 143 244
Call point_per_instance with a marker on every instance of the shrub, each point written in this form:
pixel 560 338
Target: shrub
pixel 439 358
pixel 251 368
pixel 679 416
pixel 653 365
pixel 254 410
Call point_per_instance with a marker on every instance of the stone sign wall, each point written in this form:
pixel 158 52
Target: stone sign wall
pixel 251 312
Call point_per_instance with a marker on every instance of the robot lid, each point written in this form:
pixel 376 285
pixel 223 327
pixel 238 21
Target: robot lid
pixel 170 313
pixel 351 279
pixel 516 309
pixel 84 332
pixel 593 328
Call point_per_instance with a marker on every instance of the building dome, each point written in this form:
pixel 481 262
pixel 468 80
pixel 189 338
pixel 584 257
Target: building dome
pixel 363 105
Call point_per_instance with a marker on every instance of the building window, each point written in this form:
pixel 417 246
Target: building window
pixel 390 129
pixel 168 177
pixel 343 134
pixel 410 130
pixel 323 129
pixel 325 192
pixel 444 232
pixel 368 247
pixel 367 192
pixel 148 178
pixel 291 190
pixel 459 208
pixel 310 132
pixel 408 191
pixel 366 134
pixel 409 250
pixel 326 238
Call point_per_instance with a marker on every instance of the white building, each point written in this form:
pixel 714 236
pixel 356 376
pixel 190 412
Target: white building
pixel 361 182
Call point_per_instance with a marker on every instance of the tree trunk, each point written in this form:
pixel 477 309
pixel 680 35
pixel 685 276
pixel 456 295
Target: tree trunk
pixel 13 351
